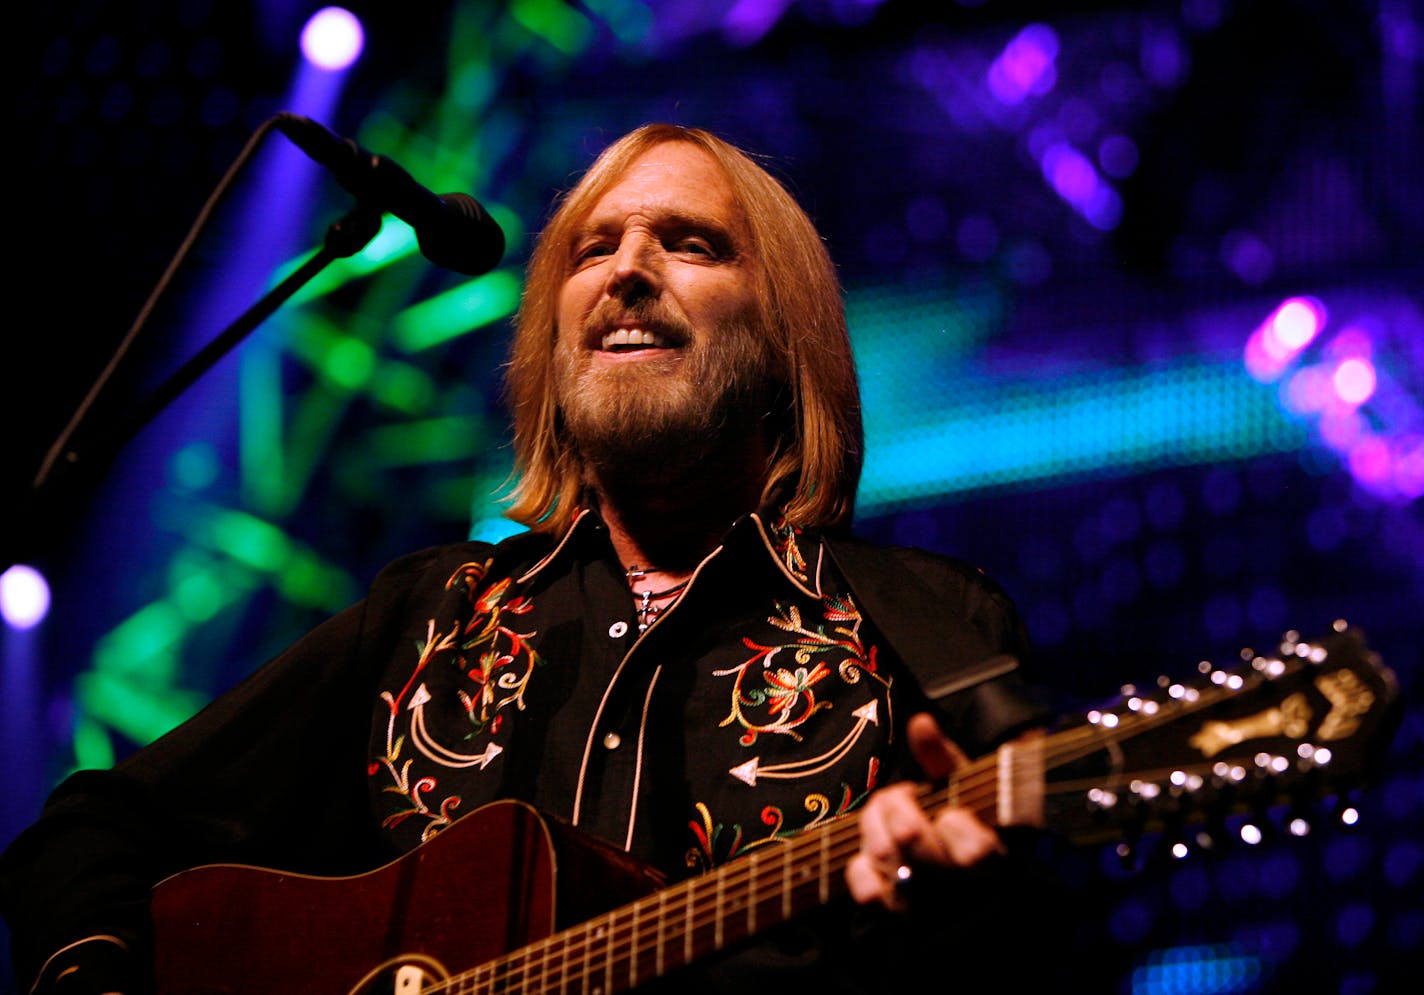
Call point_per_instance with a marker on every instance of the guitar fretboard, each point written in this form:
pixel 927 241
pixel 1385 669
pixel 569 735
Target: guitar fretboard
pixel 686 922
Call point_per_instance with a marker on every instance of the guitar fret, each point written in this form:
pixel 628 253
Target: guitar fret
pixel 687 933
pixel 633 953
pixel 564 967
pixel 609 934
pixel 717 911
pixel 587 952
pixel 825 891
pixel 755 860
pixel 786 865
pixel 662 929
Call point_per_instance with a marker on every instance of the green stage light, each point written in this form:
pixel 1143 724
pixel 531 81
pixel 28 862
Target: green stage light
pixel 349 363
pixel 93 749
pixel 143 644
pixel 394 242
pixel 402 387
pixel 139 711
pixel 561 26
pixel 463 309
pixel 431 440
pixel 247 539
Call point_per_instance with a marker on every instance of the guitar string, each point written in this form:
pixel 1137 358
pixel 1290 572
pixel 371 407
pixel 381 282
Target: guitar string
pixel 617 944
pixel 547 959
pixel 976 786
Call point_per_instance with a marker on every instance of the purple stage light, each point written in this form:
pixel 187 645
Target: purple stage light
pixel 1370 462
pixel 1070 172
pixel 1026 66
pixel 1075 179
pixel 1354 380
pixel 24 597
pixel 1409 467
pixel 332 39
pixel 1281 337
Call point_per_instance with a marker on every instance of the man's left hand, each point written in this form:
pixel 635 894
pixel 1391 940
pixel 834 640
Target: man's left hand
pixel 897 835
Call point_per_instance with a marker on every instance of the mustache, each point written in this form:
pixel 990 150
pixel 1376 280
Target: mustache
pixel 647 314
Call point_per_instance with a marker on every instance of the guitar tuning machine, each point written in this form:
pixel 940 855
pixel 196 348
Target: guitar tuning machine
pixel 1101 798
pixel 1271 763
pixel 1269 666
pixel 1185 782
pixel 1228 773
pixel 1108 720
pixel 1313 756
pixel 1346 814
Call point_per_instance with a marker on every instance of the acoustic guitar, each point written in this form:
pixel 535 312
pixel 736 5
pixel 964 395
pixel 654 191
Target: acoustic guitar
pixel 508 900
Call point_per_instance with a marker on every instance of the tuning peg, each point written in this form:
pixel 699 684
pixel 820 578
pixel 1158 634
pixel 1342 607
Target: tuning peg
pixel 1346 813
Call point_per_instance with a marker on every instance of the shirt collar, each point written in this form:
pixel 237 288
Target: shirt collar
pixel 586 522
pixel 798 555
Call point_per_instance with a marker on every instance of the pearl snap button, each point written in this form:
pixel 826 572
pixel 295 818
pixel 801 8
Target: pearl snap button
pixel 617 629
pixel 611 741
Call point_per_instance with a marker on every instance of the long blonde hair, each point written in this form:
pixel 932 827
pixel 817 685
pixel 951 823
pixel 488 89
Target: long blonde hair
pixel 818 451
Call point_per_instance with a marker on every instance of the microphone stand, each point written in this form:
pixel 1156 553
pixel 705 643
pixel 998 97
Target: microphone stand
pixel 55 486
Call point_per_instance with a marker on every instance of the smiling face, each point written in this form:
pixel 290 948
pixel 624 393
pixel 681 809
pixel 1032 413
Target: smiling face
pixel 659 346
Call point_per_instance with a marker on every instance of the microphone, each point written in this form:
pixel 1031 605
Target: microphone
pixel 452 229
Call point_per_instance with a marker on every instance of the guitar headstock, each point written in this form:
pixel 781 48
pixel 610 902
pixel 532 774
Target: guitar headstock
pixel 1295 726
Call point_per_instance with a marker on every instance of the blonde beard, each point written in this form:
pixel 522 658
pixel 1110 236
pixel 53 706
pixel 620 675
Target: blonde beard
pixel 666 416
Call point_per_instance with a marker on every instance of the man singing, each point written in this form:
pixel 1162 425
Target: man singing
pixel 686 655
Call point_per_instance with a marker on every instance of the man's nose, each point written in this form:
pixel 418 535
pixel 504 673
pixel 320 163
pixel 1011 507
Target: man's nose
pixel 636 269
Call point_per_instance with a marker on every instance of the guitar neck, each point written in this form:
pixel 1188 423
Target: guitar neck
pixel 702 915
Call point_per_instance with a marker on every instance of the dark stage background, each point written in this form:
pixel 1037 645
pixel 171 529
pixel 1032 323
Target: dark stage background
pixel 1135 289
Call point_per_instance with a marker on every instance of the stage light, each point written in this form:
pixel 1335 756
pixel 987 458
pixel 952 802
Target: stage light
pixel 1075 179
pixel 1281 337
pixel 1354 380
pixel 24 597
pixel 465 308
pixel 332 39
pixel 1026 65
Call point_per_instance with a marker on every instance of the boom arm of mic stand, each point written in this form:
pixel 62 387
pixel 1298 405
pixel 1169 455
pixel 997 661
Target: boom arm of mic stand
pixel 344 238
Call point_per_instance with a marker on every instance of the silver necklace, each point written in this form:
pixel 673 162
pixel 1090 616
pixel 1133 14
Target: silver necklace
pixel 648 611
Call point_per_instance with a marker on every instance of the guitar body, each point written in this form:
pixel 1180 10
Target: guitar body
pixel 483 886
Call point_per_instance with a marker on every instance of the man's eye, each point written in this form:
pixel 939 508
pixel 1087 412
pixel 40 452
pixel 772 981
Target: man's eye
pixel 594 250
pixel 694 246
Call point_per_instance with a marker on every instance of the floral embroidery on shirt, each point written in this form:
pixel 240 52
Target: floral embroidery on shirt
pixel 777 691
pixel 496 647
pixel 783 537
pixel 784 692
pixel 716 843
pixel 486 651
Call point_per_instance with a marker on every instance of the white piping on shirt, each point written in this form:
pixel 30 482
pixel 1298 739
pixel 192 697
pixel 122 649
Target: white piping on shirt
pixel 642 725
pixel 638 766
pixel 568 534
pixel 797 581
